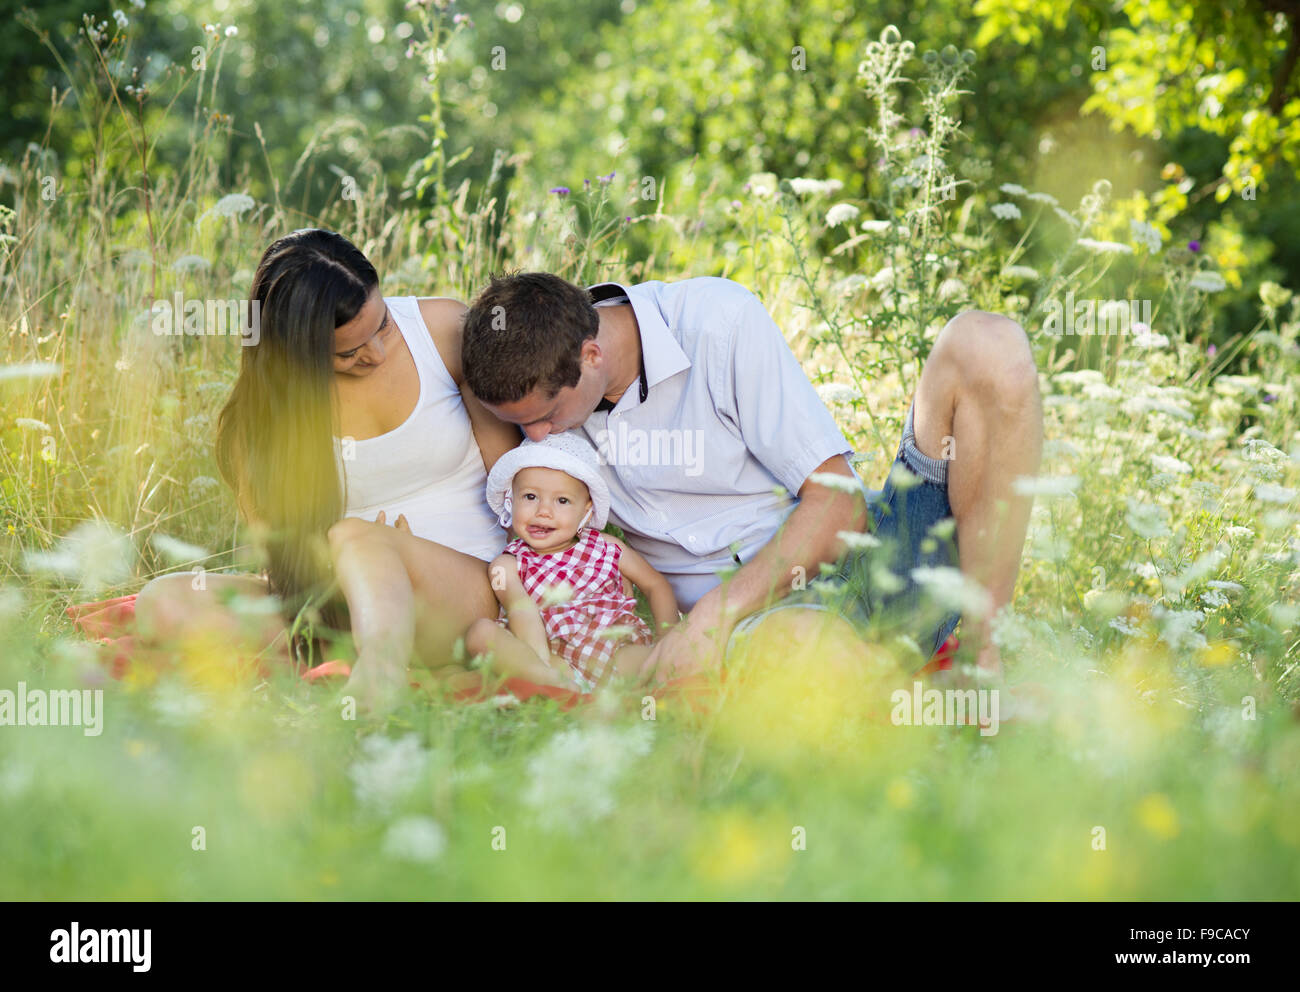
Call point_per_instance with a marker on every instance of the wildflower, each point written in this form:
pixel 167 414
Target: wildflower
pixel 138 4
pixel 176 551
pixel 1104 247
pixel 415 838
pixel 120 17
pixel 841 213
pixel 1214 599
pixel 1146 235
pixel 1020 272
pixel 202 483
pixel 1147 521
pixel 1193 246
pixel 27 423
pixel 1208 282
pixel 1149 339
pixel 232 205
pixel 815 187
pixel 1274 296
pixel 560 190
pixel 833 480
pixel 953 590
pixel 95 553
pixel 837 392
pixel 1047 198
pixel 388 770
pixel 952 289
pixel 191 263
pixel 1165 463
pixel 1006 211
pixel 762 185
pixel 1237 533
pixel 858 540
pixel 607 179
pixel 1268 493
pixel 1012 189
pixel 572 778
pixel 1177 629
pixel 1066 216
pixel 232 31
pixel 1125 626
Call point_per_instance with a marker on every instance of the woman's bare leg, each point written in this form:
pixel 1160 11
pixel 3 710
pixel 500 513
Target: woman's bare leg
pixel 187 606
pixel 407 597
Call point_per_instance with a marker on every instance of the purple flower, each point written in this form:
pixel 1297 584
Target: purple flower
pixel 1211 351
pixel 561 190
pixel 1270 397
pixel 586 184
pixel 461 19
pixel 606 179
pixel 1193 246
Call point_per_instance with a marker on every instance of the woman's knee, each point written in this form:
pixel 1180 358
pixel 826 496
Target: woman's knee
pixel 479 637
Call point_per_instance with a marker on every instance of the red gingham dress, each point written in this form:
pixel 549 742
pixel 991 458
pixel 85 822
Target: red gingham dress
pixel 575 628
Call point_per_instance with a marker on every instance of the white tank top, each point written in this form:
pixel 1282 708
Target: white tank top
pixel 430 467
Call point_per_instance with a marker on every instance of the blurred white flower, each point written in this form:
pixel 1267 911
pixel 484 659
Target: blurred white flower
pixel 841 213
pixel 388 770
pixel 875 226
pixel 952 589
pixel 762 185
pixel 1178 629
pixel 415 838
pixel 1146 235
pixel 1148 521
pixel 1166 463
pixel 1047 198
pixel 1269 493
pixel 27 423
pixel 232 31
pixel 1066 216
pixel 858 540
pixel 1006 211
pixel 1104 247
pixel 1020 272
pixel 29 370
pixel 833 480
pixel 1012 189
pixel 176 551
pixel 1236 533
pixel 952 289
pixel 1208 282
pixel 191 263
pixel 572 778
pixel 121 20
pixel 1125 626
pixel 837 392
pixel 1214 599
pixel 233 204
pixel 815 187
pixel 1149 338
pixel 95 553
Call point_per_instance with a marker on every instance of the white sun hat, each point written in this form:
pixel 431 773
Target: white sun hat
pixel 569 453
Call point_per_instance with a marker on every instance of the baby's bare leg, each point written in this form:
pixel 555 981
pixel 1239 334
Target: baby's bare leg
pixel 628 663
pixel 512 657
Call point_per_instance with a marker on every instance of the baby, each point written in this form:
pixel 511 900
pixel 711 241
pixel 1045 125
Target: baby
pixel 561 582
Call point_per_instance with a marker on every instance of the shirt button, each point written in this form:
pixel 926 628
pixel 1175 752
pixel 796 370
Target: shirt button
pixel 691 539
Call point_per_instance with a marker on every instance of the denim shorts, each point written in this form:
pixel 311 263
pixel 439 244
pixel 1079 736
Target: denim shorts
pixel 874 587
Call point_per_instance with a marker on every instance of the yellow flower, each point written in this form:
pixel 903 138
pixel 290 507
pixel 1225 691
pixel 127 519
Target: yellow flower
pixel 1158 816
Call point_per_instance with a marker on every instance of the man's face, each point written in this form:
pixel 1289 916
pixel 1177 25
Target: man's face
pixel 539 414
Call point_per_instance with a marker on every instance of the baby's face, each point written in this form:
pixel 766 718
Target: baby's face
pixel 548 507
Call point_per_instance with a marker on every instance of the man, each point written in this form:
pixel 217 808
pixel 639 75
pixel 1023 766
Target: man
pixel 707 425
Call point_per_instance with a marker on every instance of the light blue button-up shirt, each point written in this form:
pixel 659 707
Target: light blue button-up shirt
pixel 703 473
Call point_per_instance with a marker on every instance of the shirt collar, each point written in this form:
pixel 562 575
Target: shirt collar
pixel 662 354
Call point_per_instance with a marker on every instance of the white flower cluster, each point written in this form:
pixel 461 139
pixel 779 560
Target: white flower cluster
pixel 572 777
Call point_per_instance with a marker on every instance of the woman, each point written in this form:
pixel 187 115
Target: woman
pixel 351 406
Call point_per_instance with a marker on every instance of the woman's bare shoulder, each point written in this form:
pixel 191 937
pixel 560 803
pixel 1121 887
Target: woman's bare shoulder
pixel 444 317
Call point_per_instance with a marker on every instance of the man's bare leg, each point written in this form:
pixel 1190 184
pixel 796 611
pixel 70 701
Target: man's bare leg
pixel 172 609
pixel 978 403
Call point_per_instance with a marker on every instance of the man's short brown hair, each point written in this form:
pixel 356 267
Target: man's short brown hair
pixel 526 330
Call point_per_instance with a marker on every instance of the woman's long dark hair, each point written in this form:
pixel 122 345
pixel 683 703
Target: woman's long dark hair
pixel 275 435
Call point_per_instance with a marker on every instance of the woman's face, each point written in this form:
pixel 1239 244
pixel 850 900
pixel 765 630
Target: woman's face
pixel 362 344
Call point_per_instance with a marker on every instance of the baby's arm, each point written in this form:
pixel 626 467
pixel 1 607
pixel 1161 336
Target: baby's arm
pixel 522 615
pixel 663 602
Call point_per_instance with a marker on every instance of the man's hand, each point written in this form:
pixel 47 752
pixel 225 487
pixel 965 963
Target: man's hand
pixel 697 644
